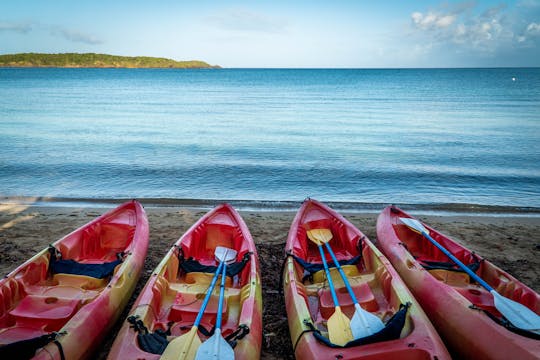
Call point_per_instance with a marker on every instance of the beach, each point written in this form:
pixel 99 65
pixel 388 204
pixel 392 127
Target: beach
pixel 510 241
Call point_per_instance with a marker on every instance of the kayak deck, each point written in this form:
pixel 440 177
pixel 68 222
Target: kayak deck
pixel 424 252
pixel 375 284
pixel 461 309
pixel 173 296
pixel 91 271
pixel 179 297
pixel 370 288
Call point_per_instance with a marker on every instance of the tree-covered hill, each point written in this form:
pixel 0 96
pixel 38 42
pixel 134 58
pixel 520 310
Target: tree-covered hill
pixel 91 60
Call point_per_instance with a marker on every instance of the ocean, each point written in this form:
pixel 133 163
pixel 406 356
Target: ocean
pixel 359 136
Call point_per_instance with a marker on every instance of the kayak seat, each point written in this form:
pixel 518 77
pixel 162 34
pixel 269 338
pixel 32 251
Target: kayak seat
pixel 204 279
pixel 187 305
pixel 478 296
pixel 69 286
pixel 44 311
pixel 81 282
pixel 362 292
pixel 452 278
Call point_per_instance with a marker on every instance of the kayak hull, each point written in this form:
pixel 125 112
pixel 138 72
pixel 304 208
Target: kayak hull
pixel 83 308
pixel 375 283
pixel 172 297
pixel 454 304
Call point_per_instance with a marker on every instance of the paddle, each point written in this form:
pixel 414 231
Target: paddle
pixel 363 323
pixel 186 345
pixel 216 347
pixel 339 325
pixel 519 315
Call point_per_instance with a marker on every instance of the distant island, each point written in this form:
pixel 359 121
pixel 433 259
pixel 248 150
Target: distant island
pixel 91 60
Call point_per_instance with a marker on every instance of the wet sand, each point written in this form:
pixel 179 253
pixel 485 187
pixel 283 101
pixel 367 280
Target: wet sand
pixel 513 243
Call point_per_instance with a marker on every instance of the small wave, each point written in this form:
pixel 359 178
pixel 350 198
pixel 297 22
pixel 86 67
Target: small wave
pixel 281 206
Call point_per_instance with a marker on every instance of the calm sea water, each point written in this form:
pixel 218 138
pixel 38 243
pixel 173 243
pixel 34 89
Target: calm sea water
pixel 373 136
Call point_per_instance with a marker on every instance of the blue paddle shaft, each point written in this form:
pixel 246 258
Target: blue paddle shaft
pixel 329 277
pixel 459 263
pixel 221 295
pixel 208 294
pixel 345 280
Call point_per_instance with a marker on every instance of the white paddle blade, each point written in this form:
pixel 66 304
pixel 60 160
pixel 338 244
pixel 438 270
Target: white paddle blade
pixel 223 253
pixel 518 314
pixel 364 323
pixel 414 224
pixel 215 348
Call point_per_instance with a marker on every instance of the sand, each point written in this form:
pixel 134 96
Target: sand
pixel 513 243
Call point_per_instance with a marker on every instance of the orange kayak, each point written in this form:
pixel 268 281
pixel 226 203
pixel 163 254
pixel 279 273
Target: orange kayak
pixel 408 334
pixel 462 311
pixel 62 302
pixel 170 301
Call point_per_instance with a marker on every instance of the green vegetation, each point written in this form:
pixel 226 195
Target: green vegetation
pixel 91 60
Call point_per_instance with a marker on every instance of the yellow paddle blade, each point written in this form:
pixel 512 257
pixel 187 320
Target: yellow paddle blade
pixel 183 347
pixel 339 328
pixel 319 236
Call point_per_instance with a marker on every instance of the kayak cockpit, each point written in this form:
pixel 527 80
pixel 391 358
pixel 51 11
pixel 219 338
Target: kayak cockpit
pixel 426 255
pixel 184 277
pixel 38 298
pixel 370 281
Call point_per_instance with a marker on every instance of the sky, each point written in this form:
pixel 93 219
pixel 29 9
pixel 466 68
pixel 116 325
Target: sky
pixel 282 33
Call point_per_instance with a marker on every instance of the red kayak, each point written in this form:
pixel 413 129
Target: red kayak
pixel 407 332
pixel 169 303
pixel 462 311
pixel 62 302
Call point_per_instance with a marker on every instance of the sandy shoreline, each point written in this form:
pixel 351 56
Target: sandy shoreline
pixel 511 242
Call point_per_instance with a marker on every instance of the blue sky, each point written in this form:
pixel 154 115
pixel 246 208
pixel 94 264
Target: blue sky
pixel 339 33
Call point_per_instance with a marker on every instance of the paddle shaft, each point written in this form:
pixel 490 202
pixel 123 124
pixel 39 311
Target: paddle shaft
pixel 459 263
pixel 343 276
pixel 221 295
pixel 329 277
pixel 208 294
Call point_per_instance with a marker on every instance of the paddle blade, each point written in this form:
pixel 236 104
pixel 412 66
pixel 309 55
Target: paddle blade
pixel 414 225
pixel 183 347
pixel 216 347
pixel 319 236
pixel 225 254
pixel 518 314
pixel 364 323
pixel 339 328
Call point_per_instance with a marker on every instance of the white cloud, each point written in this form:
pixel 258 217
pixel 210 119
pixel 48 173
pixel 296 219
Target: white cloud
pixel 533 29
pixel 245 20
pixel 21 28
pixel 75 36
pixel 445 21
pixel 485 32
pixel 68 34
pixel 530 34
pixel 432 20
